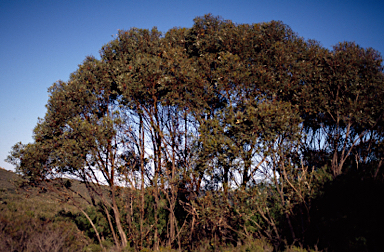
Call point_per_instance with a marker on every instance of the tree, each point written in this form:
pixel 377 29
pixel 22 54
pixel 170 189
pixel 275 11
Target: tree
pixel 236 122
pixel 341 105
pixel 79 137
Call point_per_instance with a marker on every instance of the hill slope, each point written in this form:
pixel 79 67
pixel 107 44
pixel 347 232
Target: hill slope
pixel 7 179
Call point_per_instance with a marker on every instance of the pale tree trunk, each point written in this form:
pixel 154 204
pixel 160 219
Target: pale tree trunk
pixel 115 208
pixel 111 227
pixel 338 162
pixel 142 205
pixel 94 228
pixel 116 212
pixel 157 143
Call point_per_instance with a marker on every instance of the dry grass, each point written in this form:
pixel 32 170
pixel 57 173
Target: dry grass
pixel 27 220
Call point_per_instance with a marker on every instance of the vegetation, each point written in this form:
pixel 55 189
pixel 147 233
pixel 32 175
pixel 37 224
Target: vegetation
pixel 28 221
pixel 221 136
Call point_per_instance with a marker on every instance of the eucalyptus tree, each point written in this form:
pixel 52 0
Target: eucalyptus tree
pixel 246 129
pixel 245 67
pixel 157 81
pixel 250 111
pixel 79 137
pixel 123 116
pixel 341 104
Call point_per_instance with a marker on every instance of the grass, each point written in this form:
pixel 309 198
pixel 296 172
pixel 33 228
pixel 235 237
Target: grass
pixel 28 220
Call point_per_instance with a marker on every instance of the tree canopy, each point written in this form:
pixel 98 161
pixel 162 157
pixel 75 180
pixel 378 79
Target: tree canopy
pixel 217 109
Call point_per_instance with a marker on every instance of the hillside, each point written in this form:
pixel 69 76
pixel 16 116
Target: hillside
pixel 30 220
pixel 7 179
pixel 9 186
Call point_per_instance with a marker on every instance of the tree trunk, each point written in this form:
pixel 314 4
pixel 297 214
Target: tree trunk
pixel 94 227
pixel 142 205
pixel 116 212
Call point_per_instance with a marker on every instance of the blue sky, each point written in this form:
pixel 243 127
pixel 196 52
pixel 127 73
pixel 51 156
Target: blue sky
pixel 44 41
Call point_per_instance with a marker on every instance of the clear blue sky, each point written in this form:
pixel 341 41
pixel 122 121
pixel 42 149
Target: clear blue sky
pixel 44 41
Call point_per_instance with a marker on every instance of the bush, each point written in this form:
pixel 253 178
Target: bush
pixel 26 227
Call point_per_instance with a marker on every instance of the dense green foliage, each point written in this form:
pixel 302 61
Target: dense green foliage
pixel 216 134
